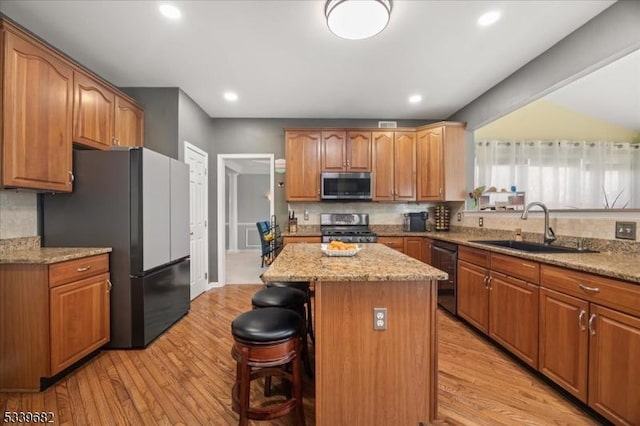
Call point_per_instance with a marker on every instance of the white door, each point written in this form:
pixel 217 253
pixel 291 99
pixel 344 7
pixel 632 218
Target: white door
pixel 199 236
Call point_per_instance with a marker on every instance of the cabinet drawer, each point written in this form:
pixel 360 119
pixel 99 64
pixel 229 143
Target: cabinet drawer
pixel 313 240
pixel 516 267
pixel 474 255
pixel 393 242
pixel 604 291
pixel 72 270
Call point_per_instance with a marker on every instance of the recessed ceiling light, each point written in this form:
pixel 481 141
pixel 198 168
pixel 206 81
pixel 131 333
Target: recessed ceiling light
pixel 230 96
pixel 170 11
pixel 489 18
pixel 414 99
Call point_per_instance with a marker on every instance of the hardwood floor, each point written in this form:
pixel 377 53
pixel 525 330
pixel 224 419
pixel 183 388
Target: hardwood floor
pixel 185 377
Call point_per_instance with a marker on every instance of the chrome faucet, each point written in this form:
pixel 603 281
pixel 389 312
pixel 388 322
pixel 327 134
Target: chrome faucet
pixel 549 236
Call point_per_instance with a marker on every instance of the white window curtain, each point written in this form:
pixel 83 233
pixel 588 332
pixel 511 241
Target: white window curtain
pixel 563 174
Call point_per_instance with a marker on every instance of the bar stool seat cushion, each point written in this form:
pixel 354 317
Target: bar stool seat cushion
pixel 266 325
pixel 283 297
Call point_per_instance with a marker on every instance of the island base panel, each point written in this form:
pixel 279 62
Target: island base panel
pixel 376 377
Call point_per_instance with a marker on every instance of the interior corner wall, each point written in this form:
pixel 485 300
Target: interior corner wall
pixel 194 126
pixel 161 119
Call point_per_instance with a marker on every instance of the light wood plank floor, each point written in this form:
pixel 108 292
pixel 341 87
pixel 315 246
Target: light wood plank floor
pixel 184 377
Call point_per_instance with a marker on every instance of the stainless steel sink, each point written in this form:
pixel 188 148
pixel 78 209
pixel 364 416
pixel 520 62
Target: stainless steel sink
pixel 531 247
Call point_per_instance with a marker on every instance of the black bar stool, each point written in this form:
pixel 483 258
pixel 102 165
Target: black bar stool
pixel 290 298
pixel 265 341
pixel 302 286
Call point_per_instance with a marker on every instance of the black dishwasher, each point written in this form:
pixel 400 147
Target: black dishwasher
pixel 444 256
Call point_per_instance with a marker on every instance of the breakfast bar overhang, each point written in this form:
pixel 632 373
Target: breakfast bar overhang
pixel 367 376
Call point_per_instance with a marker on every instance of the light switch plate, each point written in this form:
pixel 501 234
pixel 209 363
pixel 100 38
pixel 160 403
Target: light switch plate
pixel 626 230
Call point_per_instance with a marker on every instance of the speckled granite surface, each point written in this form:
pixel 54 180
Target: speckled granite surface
pixel 617 259
pixel 48 255
pixel 375 262
pixel 24 243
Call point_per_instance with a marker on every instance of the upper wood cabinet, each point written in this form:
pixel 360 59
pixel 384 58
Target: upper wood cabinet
pixel 440 152
pixel 346 151
pixel 93 112
pixel 101 118
pixel 303 165
pixel 37 106
pixel 129 123
pixel 394 166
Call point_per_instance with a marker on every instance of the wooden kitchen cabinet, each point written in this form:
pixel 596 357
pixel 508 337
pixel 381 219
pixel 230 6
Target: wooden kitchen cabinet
pixel 440 157
pixel 394 166
pixel 37 107
pixel 64 316
pixel 128 123
pixel 473 295
pixel 295 239
pixel 396 243
pixel 302 150
pixel 346 151
pixel 418 248
pixel 590 349
pixel 93 112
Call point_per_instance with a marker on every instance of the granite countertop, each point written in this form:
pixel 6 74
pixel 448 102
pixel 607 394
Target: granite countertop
pixel 47 255
pixel 375 262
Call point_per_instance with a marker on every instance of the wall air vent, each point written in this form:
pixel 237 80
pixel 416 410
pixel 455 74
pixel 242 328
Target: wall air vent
pixel 387 124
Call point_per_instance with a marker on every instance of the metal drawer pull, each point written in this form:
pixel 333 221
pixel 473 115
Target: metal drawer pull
pixel 84 268
pixel 590 289
pixel 592 330
pixel 528 265
pixel 110 286
pixel 580 318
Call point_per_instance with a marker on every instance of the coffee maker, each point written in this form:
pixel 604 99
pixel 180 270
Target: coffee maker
pixel 415 222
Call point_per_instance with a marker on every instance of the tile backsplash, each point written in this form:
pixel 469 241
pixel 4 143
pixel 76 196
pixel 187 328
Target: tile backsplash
pixel 379 213
pixel 18 214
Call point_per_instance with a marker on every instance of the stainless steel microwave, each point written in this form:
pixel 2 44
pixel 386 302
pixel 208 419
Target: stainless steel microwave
pixel 345 186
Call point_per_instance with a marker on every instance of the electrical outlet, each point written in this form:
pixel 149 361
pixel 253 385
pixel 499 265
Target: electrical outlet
pixel 379 318
pixel 459 216
pixel 480 222
pixel 626 230
pixel 306 215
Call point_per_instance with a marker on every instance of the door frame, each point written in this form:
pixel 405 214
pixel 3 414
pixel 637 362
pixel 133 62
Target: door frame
pixel 221 166
pixel 192 147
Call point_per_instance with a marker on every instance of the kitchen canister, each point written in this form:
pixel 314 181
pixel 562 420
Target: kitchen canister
pixel 442 214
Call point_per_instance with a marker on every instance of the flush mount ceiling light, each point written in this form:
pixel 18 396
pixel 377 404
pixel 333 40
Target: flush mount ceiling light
pixel 230 96
pixel 414 99
pixel 170 11
pixel 489 18
pixel 357 19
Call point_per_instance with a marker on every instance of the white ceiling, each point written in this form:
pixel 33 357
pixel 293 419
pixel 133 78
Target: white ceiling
pixel 281 59
pixel 611 93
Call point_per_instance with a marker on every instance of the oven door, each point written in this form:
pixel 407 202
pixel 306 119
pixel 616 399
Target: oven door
pixel 346 186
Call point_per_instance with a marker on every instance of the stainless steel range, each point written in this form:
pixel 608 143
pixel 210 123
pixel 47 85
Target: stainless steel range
pixel 347 227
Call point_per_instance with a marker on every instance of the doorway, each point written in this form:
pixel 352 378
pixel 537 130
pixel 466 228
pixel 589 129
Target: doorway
pixel 238 241
pixel 197 160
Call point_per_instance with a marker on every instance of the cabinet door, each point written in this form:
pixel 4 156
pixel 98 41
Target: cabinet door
pixel 429 153
pixel 473 295
pixel 359 151
pixel 564 341
pixel 334 157
pixel 93 111
pixel 382 166
pixel 405 166
pixel 79 313
pixel 37 117
pixel 614 370
pixel 303 166
pixel 129 124
pixel 426 251
pixel 513 316
pixel 396 243
pixel 413 247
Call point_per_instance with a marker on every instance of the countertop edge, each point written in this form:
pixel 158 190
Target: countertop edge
pixel 49 255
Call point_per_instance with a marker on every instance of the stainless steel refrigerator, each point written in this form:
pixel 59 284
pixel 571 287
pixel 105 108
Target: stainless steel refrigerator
pixel 136 201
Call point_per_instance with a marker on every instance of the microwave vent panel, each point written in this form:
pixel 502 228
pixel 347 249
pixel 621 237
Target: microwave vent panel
pixel 387 124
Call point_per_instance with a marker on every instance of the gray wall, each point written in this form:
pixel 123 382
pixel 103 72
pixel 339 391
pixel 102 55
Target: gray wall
pixel 194 126
pixel 610 35
pixel 253 206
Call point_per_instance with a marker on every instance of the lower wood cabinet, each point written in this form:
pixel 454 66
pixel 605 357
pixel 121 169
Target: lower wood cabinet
pixel 418 248
pixel 473 295
pixel 396 243
pixel 589 349
pixel 51 316
pixel 290 239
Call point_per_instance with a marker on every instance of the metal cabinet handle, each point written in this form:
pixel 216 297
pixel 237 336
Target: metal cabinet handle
pixel 84 268
pixel 580 318
pixel 489 282
pixel 592 330
pixel 486 281
pixel 110 286
pixel 113 140
pixel 589 289
pixel 71 177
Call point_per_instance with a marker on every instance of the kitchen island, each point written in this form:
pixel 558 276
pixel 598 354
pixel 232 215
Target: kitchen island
pixel 367 376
